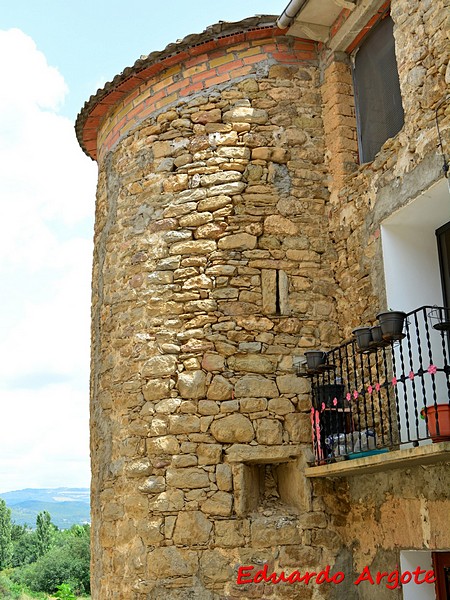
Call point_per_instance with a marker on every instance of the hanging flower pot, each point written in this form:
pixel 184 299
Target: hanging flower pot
pixel 392 323
pixel 439 414
pixel 315 359
pixel 377 337
pixel 363 337
pixel 440 318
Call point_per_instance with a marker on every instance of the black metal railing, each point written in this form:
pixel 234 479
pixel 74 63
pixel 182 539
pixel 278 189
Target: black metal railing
pixel 393 393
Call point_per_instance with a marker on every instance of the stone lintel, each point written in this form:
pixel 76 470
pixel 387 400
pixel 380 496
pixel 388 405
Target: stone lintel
pixel 242 453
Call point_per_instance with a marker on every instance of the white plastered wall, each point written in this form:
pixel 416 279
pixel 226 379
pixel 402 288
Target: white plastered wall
pixel 412 276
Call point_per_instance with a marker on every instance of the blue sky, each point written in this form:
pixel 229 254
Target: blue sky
pixel 53 55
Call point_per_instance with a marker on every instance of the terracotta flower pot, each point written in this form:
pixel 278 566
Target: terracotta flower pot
pixel 434 415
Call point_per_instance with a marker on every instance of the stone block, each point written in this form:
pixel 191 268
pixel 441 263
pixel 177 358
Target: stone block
pixel 293 556
pixel 184 460
pixel 291 384
pixel 245 114
pixel 191 478
pixel 213 362
pixel 166 444
pixel 208 407
pixel 238 241
pixel 229 534
pixel 192 528
pixel 224 477
pixel 298 426
pixel 209 454
pixel 220 177
pixel 215 567
pixel 251 363
pixel 158 427
pixel 159 366
pixel 211 231
pixel 255 386
pixel 150 532
pixel 192 384
pixel 207 116
pixel 269 432
pixel 281 406
pixel 171 562
pixel 168 501
pixel 219 504
pixel 234 428
pixel 243 453
pixel 214 203
pixel 139 467
pixel 251 405
pixel 228 406
pixel 184 424
pixel 219 389
pixel 153 485
pixel 193 247
pixel 274 531
pixel 156 389
pixel 280 226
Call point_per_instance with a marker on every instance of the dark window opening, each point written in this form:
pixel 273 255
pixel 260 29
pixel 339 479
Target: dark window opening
pixel 277 294
pixel 441 564
pixel 379 109
pixel 443 242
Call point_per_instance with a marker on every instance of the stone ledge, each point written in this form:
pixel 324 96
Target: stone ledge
pixel 242 453
pixel 398 459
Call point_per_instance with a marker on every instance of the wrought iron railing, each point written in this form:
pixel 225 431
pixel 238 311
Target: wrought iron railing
pixel 393 393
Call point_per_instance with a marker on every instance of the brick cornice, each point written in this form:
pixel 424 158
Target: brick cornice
pixel 214 37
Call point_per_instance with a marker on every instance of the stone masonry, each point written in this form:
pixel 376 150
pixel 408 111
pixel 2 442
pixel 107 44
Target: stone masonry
pixel 235 230
pixel 211 275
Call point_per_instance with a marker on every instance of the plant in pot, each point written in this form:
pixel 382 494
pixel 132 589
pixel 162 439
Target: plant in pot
pixel 392 323
pixel 315 359
pixel 363 336
pixel 438 421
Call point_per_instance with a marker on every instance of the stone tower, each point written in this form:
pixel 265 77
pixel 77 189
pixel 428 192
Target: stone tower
pixel 211 276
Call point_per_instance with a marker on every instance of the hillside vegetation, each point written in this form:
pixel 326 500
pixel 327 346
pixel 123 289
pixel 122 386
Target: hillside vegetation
pixel 42 562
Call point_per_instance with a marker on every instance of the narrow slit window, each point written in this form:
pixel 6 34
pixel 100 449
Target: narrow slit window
pixel 275 288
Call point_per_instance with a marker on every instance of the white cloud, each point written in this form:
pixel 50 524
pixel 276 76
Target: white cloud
pixel 47 194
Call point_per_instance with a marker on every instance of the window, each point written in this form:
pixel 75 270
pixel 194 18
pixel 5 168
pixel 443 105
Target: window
pixel 379 110
pixel 275 288
pixel 443 240
pixel 441 563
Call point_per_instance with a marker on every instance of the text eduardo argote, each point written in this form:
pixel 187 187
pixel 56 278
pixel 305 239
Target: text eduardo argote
pixel 390 579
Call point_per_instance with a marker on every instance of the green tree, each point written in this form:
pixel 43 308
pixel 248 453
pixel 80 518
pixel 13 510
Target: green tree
pixel 67 561
pixel 25 546
pixel 44 532
pixel 6 546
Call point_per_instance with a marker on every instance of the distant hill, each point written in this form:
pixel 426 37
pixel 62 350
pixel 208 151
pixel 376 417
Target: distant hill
pixel 67 506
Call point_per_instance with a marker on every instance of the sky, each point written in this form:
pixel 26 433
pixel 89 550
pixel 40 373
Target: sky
pixel 54 54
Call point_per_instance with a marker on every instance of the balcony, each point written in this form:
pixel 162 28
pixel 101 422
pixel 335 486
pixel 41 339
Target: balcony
pixel 383 394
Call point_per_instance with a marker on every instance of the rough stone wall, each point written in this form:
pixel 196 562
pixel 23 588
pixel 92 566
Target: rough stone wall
pixel 341 152
pixel 215 265
pixel 422 49
pixel 212 272
pixel 389 512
